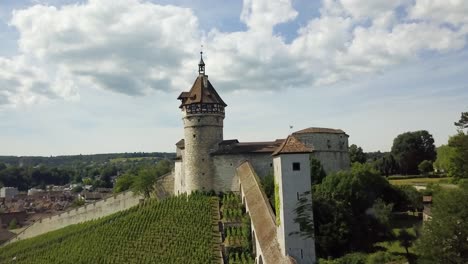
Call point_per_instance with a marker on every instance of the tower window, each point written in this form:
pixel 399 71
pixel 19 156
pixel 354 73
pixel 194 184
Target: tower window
pixel 302 254
pixel 271 165
pixel 199 120
pixel 194 136
pixel 296 166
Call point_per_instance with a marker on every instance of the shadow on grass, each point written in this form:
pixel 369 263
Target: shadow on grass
pixel 405 221
pixel 412 258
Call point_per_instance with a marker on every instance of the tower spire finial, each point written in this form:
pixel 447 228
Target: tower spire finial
pixel 201 64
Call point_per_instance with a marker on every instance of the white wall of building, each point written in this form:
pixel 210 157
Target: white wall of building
pixel 291 185
pixel 8 192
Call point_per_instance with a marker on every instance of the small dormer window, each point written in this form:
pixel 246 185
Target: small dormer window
pixel 296 166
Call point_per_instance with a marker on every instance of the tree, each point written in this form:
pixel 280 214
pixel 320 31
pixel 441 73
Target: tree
pixel 459 158
pixel 445 155
pixel 124 182
pixel 356 154
pixel 268 184
pixel 13 224
pixel 405 239
pixel 386 164
pixel 144 182
pixel 317 173
pixel 425 167
pixel 443 238
pixel 408 198
pixel 341 211
pixel 411 148
pixel 463 122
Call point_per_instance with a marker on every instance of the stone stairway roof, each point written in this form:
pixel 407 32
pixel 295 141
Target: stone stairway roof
pixel 261 216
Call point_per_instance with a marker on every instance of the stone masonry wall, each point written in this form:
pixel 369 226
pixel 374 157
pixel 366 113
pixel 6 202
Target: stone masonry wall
pixel 225 178
pixel 105 207
pixel 330 149
pixel 202 133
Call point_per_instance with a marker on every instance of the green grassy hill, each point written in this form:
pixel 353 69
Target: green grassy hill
pixel 176 230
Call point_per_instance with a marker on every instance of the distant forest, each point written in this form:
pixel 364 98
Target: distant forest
pixel 96 170
pixel 58 161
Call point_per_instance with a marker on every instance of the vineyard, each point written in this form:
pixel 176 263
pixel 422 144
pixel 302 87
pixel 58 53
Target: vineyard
pixel 237 230
pixel 176 230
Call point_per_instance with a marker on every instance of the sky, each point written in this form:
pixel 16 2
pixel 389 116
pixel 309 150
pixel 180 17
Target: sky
pixel 102 76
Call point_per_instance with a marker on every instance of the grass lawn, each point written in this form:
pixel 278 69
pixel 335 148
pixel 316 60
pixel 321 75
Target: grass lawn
pixel 400 222
pixel 419 181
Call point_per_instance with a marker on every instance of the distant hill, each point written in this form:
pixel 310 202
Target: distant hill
pixel 176 230
pixel 56 161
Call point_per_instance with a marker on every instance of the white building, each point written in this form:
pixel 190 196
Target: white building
pixel 8 192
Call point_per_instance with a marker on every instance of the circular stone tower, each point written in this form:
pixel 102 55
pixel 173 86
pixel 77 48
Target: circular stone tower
pixel 203 115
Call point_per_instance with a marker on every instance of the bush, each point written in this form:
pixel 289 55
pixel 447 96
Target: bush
pixel 425 167
pixel 381 257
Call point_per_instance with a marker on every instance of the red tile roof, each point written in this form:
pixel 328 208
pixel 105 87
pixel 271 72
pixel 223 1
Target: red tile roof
pixel 319 130
pixel 292 145
pixel 234 147
pixel 201 92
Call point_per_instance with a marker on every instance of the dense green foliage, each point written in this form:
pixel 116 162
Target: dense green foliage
pixel 459 158
pixel 143 181
pixel 268 185
pixel 356 154
pixel 463 122
pixel 26 177
pixel 425 167
pixel 176 230
pixel 385 163
pixel 407 198
pixel 277 204
pixel 351 211
pixel 96 170
pixel 78 159
pixel 317 173
pixel 411 148
pixel 380 257
pixel 444 237
pixel 443 162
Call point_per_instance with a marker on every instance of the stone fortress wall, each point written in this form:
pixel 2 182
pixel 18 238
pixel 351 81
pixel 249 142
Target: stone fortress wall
pixel 225 178
pixel 104 207
pixel 202 133
pixel 331 149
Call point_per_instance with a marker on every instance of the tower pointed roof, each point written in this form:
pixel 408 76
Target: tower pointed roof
pixel 202 91
pixel 201 64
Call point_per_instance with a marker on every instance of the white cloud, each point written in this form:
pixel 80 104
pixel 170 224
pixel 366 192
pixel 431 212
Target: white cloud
pixel 441 11
pixel 22 83
pixel 264 14
pixel 132 46
pixel 124 46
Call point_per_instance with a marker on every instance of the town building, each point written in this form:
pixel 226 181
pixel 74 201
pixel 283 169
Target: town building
pixel 8 192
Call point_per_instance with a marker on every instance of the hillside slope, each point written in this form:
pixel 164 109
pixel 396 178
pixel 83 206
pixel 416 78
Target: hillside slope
pixel 176 230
